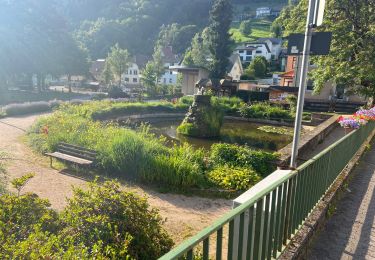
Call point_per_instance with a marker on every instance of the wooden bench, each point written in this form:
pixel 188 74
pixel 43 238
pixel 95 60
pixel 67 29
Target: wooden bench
pixel 77 155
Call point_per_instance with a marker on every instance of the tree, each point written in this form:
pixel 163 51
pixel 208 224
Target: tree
pixel 176 36
pixel 148 78
pixel 219 40
pixel 257 68
pixel 351 60
pixel 245 27
pixel 157 63
pixel 118 61
pixel 199 54
pixel 276 30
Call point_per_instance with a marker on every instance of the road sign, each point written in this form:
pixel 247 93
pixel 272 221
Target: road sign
pixel 320 43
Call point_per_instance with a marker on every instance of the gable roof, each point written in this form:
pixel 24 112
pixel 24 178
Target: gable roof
pixel 257 43
pixel 233 59
pixel 273 40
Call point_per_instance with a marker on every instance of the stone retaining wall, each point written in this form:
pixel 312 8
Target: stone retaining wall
pixel 309 141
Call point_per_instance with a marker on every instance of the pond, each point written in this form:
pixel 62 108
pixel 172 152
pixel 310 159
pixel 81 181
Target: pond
pixel 233 132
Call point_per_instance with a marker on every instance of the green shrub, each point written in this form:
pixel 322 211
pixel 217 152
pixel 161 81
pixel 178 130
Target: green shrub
pixel 242 156
pixel 26 108
pixel 101 222
pixel 21 216
pixel 122 221
pixel 233 178
pixel 264 111
pixel 188 129
pixel 229 105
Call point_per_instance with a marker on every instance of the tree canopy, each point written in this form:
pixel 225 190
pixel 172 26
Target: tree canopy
pixel 35 39
pixel 351 60
pixel 219 40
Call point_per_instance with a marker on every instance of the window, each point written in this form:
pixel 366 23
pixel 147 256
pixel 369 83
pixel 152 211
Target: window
pixel 294 62
pixel 126 79
pixel 248 52
pixel 170 80
pixel 248 58
pixel 258 52
pixel 241 51
pixel 135 72
pixel 164 80
pixel 130 72
pixel 135 80
pixel 170 72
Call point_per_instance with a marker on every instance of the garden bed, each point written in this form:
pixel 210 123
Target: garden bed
pixel 140 155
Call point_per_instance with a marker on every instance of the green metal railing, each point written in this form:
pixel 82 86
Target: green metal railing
pixel 262 227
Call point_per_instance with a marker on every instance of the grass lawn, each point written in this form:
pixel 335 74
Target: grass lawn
pixel 260 29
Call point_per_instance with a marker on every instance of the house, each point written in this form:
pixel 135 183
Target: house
pixel 263 11
pixel 235 67
pixel 191 75
pixel 274 44
pixel 131 78
pixel 269 48
pixel 331 91
pixel 249 51
pixel 169 59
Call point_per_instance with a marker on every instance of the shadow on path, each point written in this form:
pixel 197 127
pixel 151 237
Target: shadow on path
pixel 350 233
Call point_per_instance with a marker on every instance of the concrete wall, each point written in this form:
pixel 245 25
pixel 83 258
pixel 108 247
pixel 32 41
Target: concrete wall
pixel 309 141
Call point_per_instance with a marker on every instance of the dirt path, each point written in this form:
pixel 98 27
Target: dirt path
pixel 185 215
pixel 350 233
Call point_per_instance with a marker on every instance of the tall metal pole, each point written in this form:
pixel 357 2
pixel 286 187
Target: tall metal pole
pixel 302 81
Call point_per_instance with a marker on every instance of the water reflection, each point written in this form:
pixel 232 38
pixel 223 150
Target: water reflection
pixel 233 132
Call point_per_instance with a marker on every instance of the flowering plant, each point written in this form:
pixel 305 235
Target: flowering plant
pixel 361 117
pixel 349 122
pixel 366 114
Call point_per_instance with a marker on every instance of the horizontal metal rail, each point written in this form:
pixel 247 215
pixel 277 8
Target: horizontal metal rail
pixel 262 227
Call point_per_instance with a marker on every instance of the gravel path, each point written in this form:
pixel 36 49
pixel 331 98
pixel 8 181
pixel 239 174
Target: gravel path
pixel 185 215
pixel 350 233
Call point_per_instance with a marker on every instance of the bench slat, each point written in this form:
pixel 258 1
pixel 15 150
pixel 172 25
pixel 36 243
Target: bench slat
pixel 70 158
pixel 78 148
pixel 76 154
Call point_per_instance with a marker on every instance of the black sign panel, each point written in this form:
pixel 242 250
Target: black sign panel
pixel 320 43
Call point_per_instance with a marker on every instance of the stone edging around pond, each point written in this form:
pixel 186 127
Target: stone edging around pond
pixel 172 116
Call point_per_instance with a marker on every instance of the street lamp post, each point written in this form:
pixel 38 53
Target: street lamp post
pixel 312 12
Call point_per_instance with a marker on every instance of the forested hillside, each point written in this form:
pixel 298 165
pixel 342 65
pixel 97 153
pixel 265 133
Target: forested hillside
pixel 134 24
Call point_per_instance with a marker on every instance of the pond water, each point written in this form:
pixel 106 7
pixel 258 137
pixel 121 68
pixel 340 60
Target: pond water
pixel 233 132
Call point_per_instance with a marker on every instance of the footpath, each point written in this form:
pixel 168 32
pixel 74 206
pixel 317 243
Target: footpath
pixel 350 232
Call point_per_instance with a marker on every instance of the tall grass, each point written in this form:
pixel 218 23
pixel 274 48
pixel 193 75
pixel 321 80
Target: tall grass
pixel 265 110
pixel 138 154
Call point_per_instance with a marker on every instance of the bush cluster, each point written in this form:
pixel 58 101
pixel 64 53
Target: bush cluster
pixel 30 107
pixel 261 162
pixel 140 155
pixel 102 222
pixel 233 178
pixel 266 111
